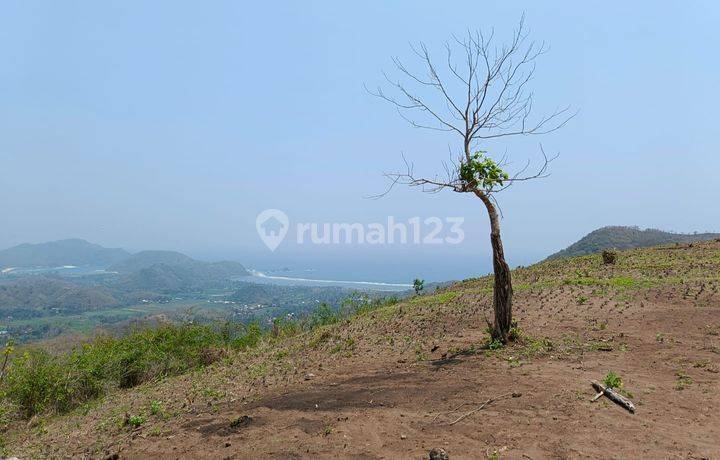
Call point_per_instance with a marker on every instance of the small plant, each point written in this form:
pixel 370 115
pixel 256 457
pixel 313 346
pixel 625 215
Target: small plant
pixel 281 354
pixel 600 346
pixel 420 354
pixel 135 420
pixel 683 380
pixel 328 430
pixel 612 380
pixel 609 256
pixel 418 285
pixel 582 300
pixel 156 408
pixel 495 345
pixel 516 334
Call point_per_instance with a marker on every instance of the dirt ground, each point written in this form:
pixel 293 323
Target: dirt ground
pixel 397 384
pixel 390 410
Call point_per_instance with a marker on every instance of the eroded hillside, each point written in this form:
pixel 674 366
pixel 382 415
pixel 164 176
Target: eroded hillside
pixel 398 381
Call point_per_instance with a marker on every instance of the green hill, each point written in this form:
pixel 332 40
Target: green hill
pixel 619 237
pixel 146 259
pixel 39 295
pixel 168 271
pixel 58 253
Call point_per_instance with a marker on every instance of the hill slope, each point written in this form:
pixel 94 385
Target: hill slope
pixel 58 253
pixel 623 238
pixel 174 265
pixel 398 381
pixel 39 295
pixel 146 259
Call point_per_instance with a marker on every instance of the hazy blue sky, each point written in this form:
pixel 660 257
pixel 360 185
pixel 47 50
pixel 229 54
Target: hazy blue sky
pixel 171 124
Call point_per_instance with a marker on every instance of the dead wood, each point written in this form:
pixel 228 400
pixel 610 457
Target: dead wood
pixel 613 396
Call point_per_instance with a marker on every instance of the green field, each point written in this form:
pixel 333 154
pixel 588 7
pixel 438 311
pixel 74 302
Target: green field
pixel 23 330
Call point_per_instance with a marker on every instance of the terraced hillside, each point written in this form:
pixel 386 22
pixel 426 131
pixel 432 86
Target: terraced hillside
pixel 398 381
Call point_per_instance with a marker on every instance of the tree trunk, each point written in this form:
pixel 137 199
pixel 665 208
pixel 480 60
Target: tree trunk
pixel 502 289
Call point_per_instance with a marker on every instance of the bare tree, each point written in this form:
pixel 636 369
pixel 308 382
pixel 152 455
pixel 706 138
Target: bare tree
pixel 483 96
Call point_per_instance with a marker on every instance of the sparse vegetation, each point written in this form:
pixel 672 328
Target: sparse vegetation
pixel 683 380
pixel 37 381
pixel 260 355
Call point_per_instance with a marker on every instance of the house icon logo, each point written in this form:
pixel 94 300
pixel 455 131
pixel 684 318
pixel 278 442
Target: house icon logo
pixel 272 225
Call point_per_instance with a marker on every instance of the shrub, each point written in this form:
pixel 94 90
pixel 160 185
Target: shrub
pixel 135 420
pixel 156 408
pixel 250 338
pixel 322 316
pixel 37 381
pixel 609 256
pixel 418 285
pixel 31 381
pixel 612 380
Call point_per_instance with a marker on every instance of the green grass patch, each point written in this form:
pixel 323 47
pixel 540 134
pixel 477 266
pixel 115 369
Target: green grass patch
pixel 613 380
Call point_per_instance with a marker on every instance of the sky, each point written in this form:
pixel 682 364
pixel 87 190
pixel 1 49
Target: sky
pixel 172 124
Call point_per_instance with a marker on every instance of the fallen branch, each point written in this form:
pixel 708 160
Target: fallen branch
pixel 481 406
pixel 449 412
pixel 613 396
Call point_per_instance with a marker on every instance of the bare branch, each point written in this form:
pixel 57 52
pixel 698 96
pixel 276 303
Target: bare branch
pixel 485 96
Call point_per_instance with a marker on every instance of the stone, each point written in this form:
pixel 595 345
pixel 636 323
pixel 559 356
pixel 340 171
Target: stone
pixel 439 453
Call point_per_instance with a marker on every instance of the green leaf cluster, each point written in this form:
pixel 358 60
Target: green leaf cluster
pixel 482 172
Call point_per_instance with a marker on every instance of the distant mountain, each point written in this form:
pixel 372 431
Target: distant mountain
pixel 168 271
pixel 58 253
pixel 147 259
pixel 619 237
